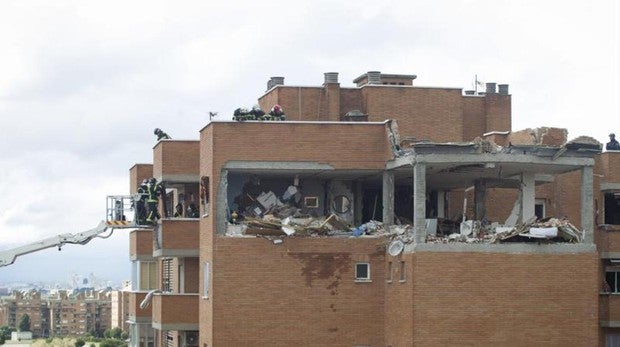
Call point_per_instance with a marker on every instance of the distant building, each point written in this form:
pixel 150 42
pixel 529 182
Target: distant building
pixel 61 313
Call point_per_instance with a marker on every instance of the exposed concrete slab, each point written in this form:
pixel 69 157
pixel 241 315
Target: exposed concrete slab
pixel 176 253
pixel 138 320
pixel 179 178
pixel 178 327
pixel 609 323
pixel 276 165
pixel 610 186
pixel 517 248
pixel 610 255
pixel 481 158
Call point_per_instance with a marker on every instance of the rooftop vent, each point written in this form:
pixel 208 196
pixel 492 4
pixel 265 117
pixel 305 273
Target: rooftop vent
pixel 275 81
pixel 331 77
pixel 503 89
pixel 491 87
pixel 374 77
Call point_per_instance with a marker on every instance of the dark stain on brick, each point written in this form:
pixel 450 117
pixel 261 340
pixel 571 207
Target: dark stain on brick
pixel 322 266
pixel 333 330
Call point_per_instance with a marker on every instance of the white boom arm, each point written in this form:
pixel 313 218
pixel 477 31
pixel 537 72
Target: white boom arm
pixel 7 257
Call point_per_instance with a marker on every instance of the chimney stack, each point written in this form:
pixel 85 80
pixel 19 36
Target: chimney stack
pixel 374 77
pixel 275 81
pixel 331 77
pixel 491 88
pixel 503 89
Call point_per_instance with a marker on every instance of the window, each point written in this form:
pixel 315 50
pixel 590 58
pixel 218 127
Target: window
pixel 612 277
pixel 206 280
pixel 402 271
pixel 389 272
pixel 362 272
pixel 612 208
pixel 144 275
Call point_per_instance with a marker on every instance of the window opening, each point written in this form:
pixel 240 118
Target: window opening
pixel 402 271
pixel 167 274
pixel 389 272
pixel 611 277
pixel 362 271
pixel 612 208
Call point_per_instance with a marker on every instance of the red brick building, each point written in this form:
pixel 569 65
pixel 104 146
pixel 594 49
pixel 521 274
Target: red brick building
pixel 341 226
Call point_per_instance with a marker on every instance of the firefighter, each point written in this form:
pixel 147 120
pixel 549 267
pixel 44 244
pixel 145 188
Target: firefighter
pixel 277 113
pixel 160 134
pixel 141 202
pixel 153 192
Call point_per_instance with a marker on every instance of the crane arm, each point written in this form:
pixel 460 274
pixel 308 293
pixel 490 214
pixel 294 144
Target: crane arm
pixel 7 257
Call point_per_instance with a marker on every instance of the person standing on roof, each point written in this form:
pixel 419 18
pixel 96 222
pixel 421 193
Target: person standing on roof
pixel 277 113
pixel 160 134
pixel 153 192
pixel 613 144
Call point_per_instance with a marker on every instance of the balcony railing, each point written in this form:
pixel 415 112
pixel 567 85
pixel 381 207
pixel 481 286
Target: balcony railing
pixel 136 313
pixel 175 311
pixel 177 237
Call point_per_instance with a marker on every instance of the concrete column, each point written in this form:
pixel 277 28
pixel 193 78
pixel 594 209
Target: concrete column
pixel 221 206
pixel 419 202
pixel 441 204
pixel 528 196
pixel 358 202
pixel 587 204
pixel 388 198
pixel 480 197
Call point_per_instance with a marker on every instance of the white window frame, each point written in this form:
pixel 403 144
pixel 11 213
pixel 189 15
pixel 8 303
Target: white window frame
pixel 362 279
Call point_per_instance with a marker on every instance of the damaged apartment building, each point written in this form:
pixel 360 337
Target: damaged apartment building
pixel 381 214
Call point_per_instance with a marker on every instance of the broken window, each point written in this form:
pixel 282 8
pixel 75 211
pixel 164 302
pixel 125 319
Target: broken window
pixel 612 208
pixel 362 271
pixel 611 277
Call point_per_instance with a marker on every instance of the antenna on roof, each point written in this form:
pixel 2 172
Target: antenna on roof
pixel 211 115
pixel 476 84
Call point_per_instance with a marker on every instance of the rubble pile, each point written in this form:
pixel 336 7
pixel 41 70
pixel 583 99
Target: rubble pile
pixel 545 231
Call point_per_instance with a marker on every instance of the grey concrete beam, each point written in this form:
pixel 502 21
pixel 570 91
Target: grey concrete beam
pixel 176 253
pixel 180 178
pixel 587 204
pixel 388 198
pixel 610 186
pixel 399 162
pixel 177 327
pixel 276 165
pixel 481 158
pixel 419 202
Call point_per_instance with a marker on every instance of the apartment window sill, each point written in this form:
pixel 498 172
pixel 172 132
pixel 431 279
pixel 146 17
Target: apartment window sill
pixel 360 280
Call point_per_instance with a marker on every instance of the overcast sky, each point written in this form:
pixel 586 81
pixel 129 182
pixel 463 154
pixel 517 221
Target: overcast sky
pixel 83 84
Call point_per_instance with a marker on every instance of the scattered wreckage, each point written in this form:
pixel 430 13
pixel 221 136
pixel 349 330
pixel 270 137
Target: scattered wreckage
pixel 270 218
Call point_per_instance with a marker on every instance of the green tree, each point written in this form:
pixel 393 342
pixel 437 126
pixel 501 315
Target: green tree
pixel 124 336
pixel 5 333
pixel 24 323
pixel 80 343
pixel 116 333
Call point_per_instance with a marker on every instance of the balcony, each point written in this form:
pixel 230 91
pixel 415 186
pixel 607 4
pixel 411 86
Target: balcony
pixel 135 313
pixel 175 160
pixel 178 237
pixel 141 245
pixel 175 311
